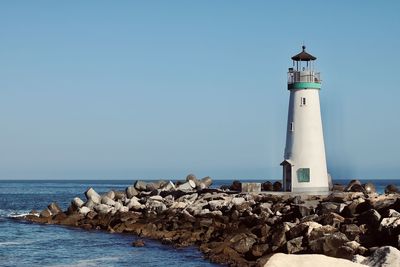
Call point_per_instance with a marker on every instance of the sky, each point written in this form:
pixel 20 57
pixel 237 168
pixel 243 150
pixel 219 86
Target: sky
pixel 160 89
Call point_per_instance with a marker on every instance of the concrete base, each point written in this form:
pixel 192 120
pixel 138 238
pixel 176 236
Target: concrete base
pixel 251 187
pixel 317 193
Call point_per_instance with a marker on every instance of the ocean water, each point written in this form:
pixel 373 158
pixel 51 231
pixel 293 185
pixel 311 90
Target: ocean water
pixel 26 244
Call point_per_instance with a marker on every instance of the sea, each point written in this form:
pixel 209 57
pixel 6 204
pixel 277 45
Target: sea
pixel 27 244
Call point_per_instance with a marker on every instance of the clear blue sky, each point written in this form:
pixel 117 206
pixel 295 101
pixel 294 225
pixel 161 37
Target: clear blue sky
pixel 159 89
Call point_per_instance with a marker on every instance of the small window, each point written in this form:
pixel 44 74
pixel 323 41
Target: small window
pixel 303 175
pixel 303 101
pixel 292 127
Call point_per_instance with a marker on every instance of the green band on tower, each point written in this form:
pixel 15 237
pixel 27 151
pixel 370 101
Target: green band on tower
pixel 304 85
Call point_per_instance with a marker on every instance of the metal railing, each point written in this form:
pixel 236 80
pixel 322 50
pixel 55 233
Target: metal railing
pixel 303 76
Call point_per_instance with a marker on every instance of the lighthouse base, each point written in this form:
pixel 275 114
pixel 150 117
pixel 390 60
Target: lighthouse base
pixel 312 190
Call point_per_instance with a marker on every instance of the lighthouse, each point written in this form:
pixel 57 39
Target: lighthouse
pixel 304 165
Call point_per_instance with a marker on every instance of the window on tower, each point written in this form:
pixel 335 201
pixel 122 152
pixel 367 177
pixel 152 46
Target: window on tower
pixel 303 175
pixel 303 101
pixel 292 127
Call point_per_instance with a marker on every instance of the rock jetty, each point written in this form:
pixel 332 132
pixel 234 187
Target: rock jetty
pixel 245 229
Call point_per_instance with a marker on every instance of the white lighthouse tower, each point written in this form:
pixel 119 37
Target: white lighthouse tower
pixel 304 165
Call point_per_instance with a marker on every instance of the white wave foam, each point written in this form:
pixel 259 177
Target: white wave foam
pixel 89 262
pixel 10 243
pixel 18 215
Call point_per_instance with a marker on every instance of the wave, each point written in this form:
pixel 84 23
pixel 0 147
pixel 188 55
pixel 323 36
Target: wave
pixel 88 263
pixel 8 213
pixel 10 243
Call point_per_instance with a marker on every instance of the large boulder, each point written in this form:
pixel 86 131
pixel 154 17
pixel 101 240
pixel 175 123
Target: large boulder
pixel 110 194
pixel 102 208
pixel 391 189
pixel 191 177
pixel 285 260
pixel 243 243
pixel 354 186
pixel 168 186
pixel 134 204
pixel 352 231
pixel 383 257
pixel 46 213
pixel 140 185
pixel 77 202
pixel 188 186
pixel 295 245
pixel 205 182
pixel 131 192
pixel 93 196
pixel 84 210
pixel 370 217
pixel 390 225
pixel 333 242
pixel 108 201
pixel 54 208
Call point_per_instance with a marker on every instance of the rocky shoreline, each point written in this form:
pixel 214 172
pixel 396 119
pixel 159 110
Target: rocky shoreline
pixel 245 228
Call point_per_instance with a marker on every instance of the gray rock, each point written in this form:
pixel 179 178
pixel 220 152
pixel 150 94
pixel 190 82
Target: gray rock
pixel 46 213
pixel 259 249
pixel 391 189
pixel 84 210
pixel 108 201
pixel 333 242
pixel 131 191
pixel 353 186
pixel 327 207
pixel 134 204
pixel 384 257
pixel 393 213
pixel 205 182
pixel 242 243
pixel 333 219
pixel 90 204
pixel 92 195
pixel 140 185
pixel 110 195
pixel 191 177
pixel 179 205
pixel 54 208
pixel 102 208
pixel 278 238
pixel 156 206
pixel 77 202
pixel 321 231
pixel 216 204
pixel 295 245
pixel 352 231
pixel 123 209
pixel 117 205
pixel 237 201
pixel 370 217
pixel 189 198
pixel 188 186
pixel 168 186
pixel 120 195
pixel 390 225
